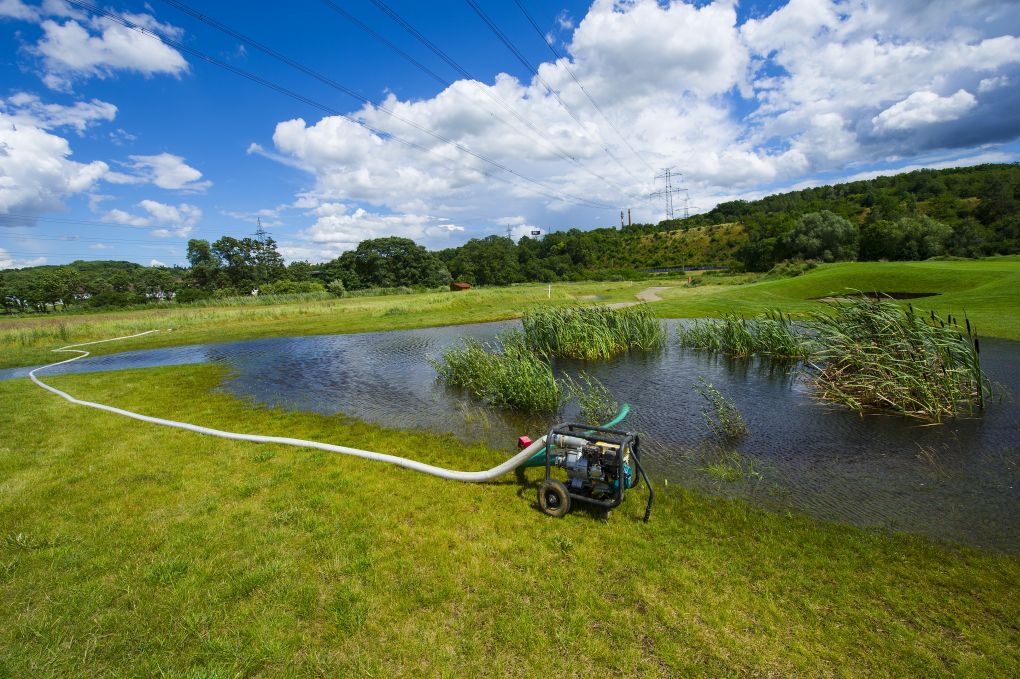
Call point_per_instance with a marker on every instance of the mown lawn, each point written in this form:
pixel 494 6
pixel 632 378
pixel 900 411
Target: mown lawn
pixel 987 291
pixel 132 549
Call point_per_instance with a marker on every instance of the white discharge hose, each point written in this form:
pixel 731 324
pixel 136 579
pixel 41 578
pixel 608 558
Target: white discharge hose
pixel 473 477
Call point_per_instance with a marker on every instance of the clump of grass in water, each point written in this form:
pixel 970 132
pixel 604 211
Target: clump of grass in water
pixel 505 374
pixel 771 334
pixel 596 401
pixel 723 418
pixel 875 354
pixel 591 332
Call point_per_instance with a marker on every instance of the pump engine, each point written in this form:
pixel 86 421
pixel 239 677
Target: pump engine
pixel 600 464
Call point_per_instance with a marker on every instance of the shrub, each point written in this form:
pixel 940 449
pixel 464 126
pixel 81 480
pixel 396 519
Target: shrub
pixel 336 288
pixel 591 332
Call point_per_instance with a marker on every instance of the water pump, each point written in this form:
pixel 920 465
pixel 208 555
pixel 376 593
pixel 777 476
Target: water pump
pixel 601 464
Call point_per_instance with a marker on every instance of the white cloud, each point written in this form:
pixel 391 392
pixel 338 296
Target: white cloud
pixel 156 262
pixel 7 261
pixel 924 108
pixel 165 170
pixel 98 47
pixel 171 221
pixel 36 173
pixel 29 109
pixel 15 9
pixel 812 88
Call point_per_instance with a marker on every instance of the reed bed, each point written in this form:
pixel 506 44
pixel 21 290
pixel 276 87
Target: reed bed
pixel 504 373
pixel 595 332
pixel 877 355
pixel 771 334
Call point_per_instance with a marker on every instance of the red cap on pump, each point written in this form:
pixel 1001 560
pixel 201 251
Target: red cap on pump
pixel 524 442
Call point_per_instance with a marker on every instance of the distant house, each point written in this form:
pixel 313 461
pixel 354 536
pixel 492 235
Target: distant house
pixel 460 286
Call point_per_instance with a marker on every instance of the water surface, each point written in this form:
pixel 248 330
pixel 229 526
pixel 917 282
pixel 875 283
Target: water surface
pixel 957 481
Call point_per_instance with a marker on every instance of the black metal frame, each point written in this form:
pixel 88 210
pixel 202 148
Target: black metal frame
pixel 626 440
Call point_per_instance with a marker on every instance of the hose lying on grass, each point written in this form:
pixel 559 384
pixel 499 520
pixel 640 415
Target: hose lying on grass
pixel 472 477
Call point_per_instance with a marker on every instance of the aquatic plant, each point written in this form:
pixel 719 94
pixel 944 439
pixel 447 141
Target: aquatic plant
pixel 597 403
pixel 723 418
pixel 504 373
pixel 874 354
pixel 591 332
pixel 771 334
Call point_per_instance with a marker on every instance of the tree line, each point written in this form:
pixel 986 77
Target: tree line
pixel 964 212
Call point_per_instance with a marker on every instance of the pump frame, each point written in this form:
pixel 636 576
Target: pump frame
pixel 626 440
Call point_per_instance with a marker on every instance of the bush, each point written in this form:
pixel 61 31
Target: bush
pixel 188 295
pixel 288 287
pixel 336 288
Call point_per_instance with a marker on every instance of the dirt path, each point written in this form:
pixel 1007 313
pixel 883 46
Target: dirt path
pixel 646 295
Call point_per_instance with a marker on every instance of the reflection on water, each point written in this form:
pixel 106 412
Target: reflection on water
pixel 957 481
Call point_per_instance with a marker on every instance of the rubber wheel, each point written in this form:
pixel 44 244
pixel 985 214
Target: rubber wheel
pixel 553 498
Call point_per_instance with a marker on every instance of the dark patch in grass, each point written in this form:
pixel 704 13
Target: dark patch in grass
pixel 347 609
pixel 165 572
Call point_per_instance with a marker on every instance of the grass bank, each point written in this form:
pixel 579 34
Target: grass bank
pixel 139 550
pixel 986 290
pixel 27 340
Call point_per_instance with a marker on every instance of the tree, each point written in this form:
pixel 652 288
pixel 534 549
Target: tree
pixel 205 265
pixel 908 238
pixel 392 262
pixel 822 235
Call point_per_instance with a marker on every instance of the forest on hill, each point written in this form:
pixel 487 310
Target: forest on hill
pixel 963 212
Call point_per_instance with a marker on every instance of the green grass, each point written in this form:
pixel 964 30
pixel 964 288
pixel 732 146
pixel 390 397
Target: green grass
pixel 771 334
pixel 137 550
pixel 985 290
pixel 27 340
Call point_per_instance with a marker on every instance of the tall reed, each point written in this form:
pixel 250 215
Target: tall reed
pixel 874 354
pixel 591 332
pixel 504 373
pixel 771 334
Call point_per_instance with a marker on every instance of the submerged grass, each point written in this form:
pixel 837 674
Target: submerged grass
pixel 873 354
pixel 150 551
pixel 595 332
pixel 771 334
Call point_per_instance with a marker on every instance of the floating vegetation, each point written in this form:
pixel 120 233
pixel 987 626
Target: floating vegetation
pixel 591 332
pixel 771 334
pixel 722 415
pixel 877 355
pixel 504 373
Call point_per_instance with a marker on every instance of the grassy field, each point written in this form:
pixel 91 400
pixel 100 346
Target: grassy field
pixel 985 289
pixel 137 550
pixel 27 340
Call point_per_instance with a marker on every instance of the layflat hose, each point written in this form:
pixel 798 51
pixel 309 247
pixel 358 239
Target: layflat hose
pixel 471 477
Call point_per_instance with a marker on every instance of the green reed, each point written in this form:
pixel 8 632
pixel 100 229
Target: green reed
pixel 591 332
pixel 504 373
pixel 771 334
pixel 877 355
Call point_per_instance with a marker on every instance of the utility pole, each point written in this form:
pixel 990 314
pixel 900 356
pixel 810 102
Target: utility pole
pixel 669 191
pixel 509 233
pixel 628 217
pixel 621 219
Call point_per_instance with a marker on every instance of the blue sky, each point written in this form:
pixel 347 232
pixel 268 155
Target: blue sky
pixel 114 145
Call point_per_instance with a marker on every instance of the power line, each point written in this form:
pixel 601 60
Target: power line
pixel 570 71
pixel 538 76
pixel 340 87
pixel 468 77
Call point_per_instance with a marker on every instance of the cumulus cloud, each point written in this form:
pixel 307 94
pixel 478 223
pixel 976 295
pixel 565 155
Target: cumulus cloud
pixel 29 109
pixel 97 47
pixel 812 87
pixel 7 261
pixel 168 220
pixel 36 172
pixel 16 9
pixel 164 170
pixel 924 108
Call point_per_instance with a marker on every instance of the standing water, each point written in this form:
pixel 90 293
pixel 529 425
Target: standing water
pixel 957 481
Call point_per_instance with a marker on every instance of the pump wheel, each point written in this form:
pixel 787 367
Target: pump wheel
pixel 553 498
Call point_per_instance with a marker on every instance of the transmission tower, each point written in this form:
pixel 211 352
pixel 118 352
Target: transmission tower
pixel 669 191
pixel 260 233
